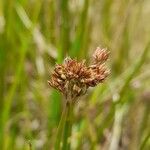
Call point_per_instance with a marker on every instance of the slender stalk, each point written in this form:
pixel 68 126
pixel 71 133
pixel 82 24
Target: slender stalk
pixel 30 145
pixel 61 127
pixel 64 128
pixel 68 128
pixel 10 94
pixel 143 145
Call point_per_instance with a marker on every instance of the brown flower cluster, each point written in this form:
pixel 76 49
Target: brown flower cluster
pixel 73 78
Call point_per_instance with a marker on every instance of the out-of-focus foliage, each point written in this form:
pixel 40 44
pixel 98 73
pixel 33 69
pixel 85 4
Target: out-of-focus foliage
pixel 35 34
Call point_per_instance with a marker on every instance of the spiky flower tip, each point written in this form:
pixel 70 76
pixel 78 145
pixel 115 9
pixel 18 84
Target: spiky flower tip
pixel 73 78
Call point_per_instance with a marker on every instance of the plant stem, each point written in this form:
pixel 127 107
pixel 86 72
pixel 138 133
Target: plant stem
pixel 68 127
pixel 61 128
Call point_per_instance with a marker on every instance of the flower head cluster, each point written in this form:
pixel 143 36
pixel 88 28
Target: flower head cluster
pixel 73 78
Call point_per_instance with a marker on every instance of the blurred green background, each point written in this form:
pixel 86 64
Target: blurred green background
pixel 35 34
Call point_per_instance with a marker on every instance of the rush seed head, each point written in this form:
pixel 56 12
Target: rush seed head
pixel 100 55
pixel 73 78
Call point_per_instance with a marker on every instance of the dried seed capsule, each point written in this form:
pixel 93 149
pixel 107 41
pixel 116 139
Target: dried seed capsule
pixel 73 78
pixel 63 76
pixel 100 55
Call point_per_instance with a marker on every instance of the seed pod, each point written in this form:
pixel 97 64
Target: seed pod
pixel 73 78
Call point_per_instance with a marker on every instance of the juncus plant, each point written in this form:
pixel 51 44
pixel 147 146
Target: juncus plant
pixel 72 79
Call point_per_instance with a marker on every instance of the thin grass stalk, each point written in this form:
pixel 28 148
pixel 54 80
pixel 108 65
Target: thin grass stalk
pixel 64 43
pixel 68 128
pixel 10 95
pixel 145 141
pixel 145 120
pixel 60 128
pixel 135 70
pixel 118 118
pixel 30 145
pixel 64 128
pixel 81 31
pixel 106 18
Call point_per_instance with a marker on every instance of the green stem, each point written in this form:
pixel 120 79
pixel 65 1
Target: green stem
pixel 143 145
pixel 61 127
pixel 68 128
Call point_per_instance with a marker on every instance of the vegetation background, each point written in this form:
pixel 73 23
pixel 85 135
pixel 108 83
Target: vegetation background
pixel 35 34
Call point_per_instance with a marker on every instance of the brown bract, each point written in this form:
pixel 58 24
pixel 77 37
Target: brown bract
pixel 73 78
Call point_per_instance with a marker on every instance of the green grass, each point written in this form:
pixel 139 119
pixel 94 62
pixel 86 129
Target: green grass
pixel 34 35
